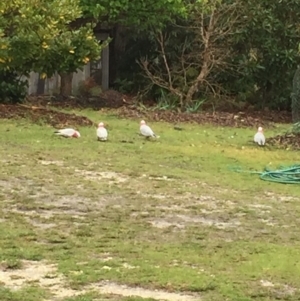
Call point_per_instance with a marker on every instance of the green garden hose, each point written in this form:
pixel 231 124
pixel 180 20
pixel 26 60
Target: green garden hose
pixel 287 175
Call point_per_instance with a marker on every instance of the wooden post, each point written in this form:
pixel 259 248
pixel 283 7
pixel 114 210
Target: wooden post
pixel 105 68
pixel 104 62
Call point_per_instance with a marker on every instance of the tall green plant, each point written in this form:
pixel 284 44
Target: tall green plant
pixel 266 52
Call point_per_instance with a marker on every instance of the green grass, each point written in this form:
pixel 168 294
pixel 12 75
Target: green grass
pixel 166 214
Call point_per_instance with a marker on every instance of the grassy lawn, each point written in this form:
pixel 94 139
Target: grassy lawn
pixel 82 220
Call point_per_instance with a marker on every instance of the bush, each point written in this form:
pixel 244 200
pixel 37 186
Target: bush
pixel 12 88
pixel 88 88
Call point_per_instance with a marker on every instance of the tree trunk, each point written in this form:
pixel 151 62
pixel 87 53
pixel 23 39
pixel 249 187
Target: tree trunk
pixel 116 50
pixel 202 75
pixel 40 86
pixel 66 83
pixel 296 96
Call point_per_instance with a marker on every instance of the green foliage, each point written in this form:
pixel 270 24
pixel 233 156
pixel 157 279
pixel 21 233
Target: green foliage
pixel 195 106
pixel 36 35
pixel 191 52
pixel 130 78
pixel 12 88
pixel 69 51
pixel 143 14
pixel 165 100
pixel 266 52
pixel 264 46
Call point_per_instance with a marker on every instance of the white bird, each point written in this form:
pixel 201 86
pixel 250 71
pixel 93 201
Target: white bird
pixel 68 133
pixel 259 137
pixel 146 130
pixel 101 132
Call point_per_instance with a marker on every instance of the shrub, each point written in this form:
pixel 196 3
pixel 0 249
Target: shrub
pixel 12 88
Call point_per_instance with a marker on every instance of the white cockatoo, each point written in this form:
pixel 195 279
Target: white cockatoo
pixel 146 130
pixel 101 132
pixel 68 133
pixel 259 137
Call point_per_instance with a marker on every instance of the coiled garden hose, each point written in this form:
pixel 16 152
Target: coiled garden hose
pixel 287 175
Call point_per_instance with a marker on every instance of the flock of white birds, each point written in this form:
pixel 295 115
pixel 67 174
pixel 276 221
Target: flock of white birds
pixel 102 133
pixel 145 130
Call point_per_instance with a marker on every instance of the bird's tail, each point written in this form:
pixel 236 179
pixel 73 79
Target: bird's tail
pixel 58 133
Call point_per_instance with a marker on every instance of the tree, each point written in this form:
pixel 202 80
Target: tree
pixel 35 35
pixel 206 48
pixel 267 52
pixel 128 19
pixel 143 14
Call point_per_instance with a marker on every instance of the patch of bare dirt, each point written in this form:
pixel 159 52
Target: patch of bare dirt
pixel 46 276
pixel 180 221
pixel 40 224
pixel 125 291
pixel 48 162
pixel 276 197
pixel 39 213
pixel 38 272
pixel 278 290
pixel 16 185
pixel 162 224
pixel 163 178
pixel 111 177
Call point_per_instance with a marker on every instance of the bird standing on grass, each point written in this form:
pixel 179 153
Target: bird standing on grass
pixel 259 137
pixel 101 132
pixel 146 130
pixel 67 133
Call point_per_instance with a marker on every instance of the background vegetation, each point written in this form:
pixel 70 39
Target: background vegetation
pixel 180 53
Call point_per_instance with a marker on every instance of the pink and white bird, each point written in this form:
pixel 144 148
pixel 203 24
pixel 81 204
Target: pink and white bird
pixel 101 132
pixel 146 130
pixel 68 133
pixel 259 137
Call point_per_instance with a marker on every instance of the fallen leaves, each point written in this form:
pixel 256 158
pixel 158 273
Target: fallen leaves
pixel 286 141
pixel 237 120
pixel 41 114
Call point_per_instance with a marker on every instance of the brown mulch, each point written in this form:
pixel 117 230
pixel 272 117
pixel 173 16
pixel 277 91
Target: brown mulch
pixel 40 109
pixel 45 115
pixel 286 141
pixel 236 119
pixel 108 99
